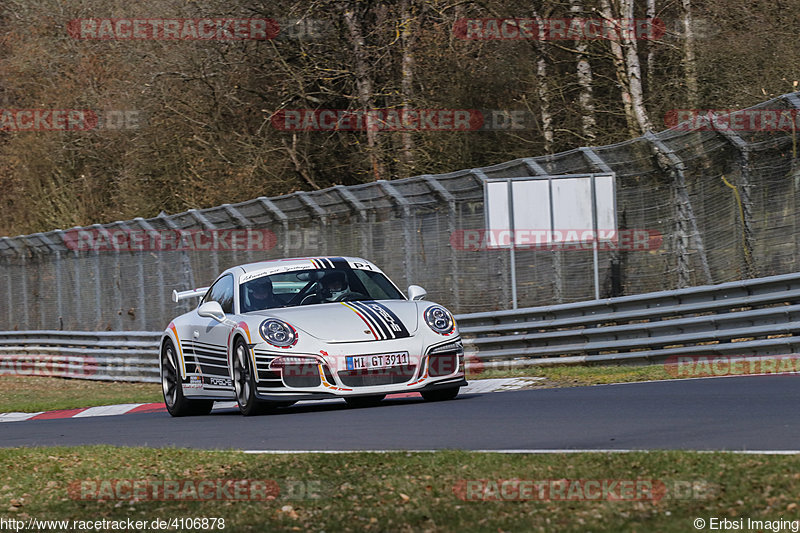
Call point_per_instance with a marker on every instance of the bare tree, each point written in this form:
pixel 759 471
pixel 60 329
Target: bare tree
pixel 542 86
pixel 583 71
pixel 626 59
pixel 651 49
pixel 364 83
pixel 408 29
pixel 689 60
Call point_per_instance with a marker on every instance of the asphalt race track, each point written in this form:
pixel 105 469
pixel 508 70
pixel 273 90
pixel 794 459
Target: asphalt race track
pixel 737 413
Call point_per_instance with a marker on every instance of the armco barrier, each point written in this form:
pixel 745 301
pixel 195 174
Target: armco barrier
pixel 753 317
pixel 743 318
pixel 111 355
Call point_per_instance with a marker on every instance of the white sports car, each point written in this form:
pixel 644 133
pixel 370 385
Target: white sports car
pixel 269 334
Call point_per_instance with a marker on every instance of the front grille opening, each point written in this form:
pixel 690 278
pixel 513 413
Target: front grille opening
pixel 442 365
pixel 377 376
pixel 301 375
pixel 269 378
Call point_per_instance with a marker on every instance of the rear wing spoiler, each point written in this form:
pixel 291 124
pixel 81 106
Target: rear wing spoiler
pixel 184 295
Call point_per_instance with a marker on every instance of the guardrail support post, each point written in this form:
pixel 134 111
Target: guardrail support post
pixel 670 162
pixel 159 270
pixel 743 188
pixel 187 263
pixel 23 276
pixel 282 219
pixel 207 225
pixel 241 222
pixel 321 215
pixel 450 200
pixel 363 218
pixel 408 223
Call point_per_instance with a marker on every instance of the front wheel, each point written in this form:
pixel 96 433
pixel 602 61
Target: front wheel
pixel 440 395
pixel 177 404
pixel 244 382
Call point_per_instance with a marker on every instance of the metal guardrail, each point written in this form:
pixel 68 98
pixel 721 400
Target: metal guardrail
pixel 105 355
pixel 743 318
pixel 753 317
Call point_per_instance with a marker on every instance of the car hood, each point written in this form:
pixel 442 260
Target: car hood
pixel 352 321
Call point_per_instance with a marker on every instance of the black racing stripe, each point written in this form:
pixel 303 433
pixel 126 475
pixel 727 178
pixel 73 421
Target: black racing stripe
pixel 401 331
pixel 369 316
pixel 209 345
pixel 210 355
pixel 214 371
pixel 375 319
pixel 212 364
pixel 340 262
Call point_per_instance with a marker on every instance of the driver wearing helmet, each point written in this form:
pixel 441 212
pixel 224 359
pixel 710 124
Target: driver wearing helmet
pixel 261 294
pixel 334 286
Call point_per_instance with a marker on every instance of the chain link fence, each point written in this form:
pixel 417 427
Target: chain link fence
pixel 724 201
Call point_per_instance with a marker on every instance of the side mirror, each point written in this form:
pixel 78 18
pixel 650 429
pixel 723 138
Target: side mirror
pixel 415 292
pixel 211 309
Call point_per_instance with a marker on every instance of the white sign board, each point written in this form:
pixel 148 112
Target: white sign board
pixel 546 211
pixel 554 209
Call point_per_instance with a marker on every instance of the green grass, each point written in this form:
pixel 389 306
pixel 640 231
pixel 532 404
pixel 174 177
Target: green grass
pixel 404 491
pixel 30 394
pixel 571 376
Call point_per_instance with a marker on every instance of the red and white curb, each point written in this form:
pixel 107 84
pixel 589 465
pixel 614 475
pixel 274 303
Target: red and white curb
pixel 480 386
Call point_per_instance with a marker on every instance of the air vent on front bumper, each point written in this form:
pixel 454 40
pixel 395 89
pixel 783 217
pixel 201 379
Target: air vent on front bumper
pixel 445 359
pixel 373 377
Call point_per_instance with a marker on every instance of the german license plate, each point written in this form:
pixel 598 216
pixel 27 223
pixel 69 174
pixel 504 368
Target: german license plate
pixel 383 360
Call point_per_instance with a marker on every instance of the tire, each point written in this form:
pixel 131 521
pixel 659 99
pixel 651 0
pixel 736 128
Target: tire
pixel 177 404
pixel 244 383
pixel 440 395
pixel 364 401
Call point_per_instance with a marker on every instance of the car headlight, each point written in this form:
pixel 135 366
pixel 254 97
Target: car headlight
pixel 439 320
pixel 278 333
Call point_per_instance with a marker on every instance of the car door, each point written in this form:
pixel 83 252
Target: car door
pixel 210 338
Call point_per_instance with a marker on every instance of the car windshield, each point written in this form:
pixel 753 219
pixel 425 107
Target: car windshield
pixel 316 286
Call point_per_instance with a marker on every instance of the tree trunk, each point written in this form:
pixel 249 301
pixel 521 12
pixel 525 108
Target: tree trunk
pixel 634 69
pixel 408 32
pixel 629 73
pixel 364 86
pixel 584 72
pixel 651 49
pixel 622 76
pixel 543 92
pixel 689 60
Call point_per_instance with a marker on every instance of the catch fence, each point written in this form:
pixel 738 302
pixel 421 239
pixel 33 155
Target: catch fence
pixel 724 203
